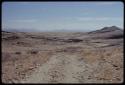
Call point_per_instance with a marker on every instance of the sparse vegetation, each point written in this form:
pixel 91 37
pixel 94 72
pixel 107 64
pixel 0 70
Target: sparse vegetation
pixel 17 52
pixel 33 51
pixel 63 57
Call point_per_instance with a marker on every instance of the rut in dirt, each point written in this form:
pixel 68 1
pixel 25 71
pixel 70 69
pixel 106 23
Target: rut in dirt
pixel 61 68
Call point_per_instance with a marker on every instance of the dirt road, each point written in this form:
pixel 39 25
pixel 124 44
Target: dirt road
pixel 62 57
pixel 62 68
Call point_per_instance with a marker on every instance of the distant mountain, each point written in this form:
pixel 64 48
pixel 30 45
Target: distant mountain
pixel 10 30
pixel 112 32
pixel 107 29
pixel 44 30
pixel 19 30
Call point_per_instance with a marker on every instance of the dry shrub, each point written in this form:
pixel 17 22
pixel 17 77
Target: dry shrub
pixel 105 72
pixel 5 57
pixel 25 44
pixel 13 37
pixel 90 56
pixel 8 57
pixel 115 56
pixel 17 52
pixel 33 51
pixel 25 65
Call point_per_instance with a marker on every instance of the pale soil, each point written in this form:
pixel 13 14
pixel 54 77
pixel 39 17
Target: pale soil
pixel 69 68
pixel 53 58
pixel 63 68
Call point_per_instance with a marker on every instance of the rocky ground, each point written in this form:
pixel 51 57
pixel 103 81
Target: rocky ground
pixel 60 57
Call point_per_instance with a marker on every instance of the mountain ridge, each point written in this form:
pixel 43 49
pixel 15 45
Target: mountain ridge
pixel 106 29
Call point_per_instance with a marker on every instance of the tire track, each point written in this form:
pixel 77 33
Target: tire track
pixel 61 68
pixel 69 68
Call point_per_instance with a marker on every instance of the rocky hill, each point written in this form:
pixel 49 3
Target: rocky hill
pixel 112 32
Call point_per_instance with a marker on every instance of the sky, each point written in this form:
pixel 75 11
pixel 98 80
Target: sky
pixel 61 16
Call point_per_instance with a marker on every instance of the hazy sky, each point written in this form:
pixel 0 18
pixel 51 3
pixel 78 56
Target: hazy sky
pixel 47 16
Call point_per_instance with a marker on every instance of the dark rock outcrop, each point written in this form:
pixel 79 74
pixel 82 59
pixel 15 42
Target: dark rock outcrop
pixel 112 32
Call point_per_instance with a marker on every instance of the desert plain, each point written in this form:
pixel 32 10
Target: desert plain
pixel 63 57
